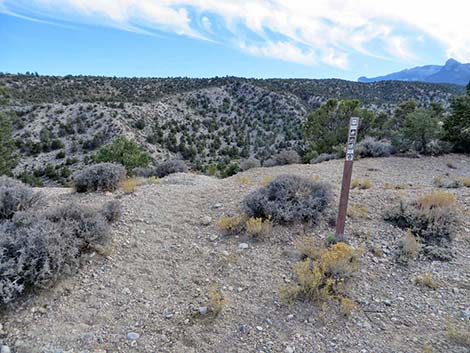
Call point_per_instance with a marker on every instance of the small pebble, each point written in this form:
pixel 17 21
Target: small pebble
pixel 203 310
pixel 243 246
pixel 290 349
pixel 5 349
pixel 132 336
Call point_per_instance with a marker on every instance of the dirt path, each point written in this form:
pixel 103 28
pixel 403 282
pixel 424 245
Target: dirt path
pixel 164 259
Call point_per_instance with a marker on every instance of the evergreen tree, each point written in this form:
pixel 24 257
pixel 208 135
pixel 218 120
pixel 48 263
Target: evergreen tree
pixel 8 157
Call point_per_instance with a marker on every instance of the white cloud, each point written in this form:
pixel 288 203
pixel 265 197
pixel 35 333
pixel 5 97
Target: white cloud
pixel 294 30
pixel 281 50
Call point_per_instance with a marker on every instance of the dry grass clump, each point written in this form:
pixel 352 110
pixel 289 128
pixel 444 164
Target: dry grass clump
pixel 437 199
pixel 432 219
pixel 465 181
pixel 232 224
pixel 266 180
pixel 217 301
pixel 444 182
pixel 425 279
pixel 362 184
pixel 324 278
pixel 259 227
pixel 129 185
pixel 409 247
pixel 458 336
pixel 244 180
pixel 309 247
pixel 154 180
pixel 356 210
pixel 289 198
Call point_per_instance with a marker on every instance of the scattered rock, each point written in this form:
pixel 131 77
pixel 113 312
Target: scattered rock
pixel 213 237
pixel 5 349
pixel 290 349
pixel 168 313
pixel 244 328
pixel 243 246
pixel 259 328
pixel 203 310
pixel 466 313
pixel 217 205
pixel 132 336
pixel 206 220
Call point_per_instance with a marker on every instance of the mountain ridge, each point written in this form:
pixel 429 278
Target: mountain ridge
pixel 452 72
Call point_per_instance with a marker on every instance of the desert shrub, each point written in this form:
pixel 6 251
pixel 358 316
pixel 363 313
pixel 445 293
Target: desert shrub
pixel 370 147
pixel 432 218
pixel 457 125
pixel 271 162
pixel 289 198
pixel 249 164
pixel 112 211
pixel 143 172
pixel 14 196
pixel 437 147
pixel 170 167
pixel 229 170
pixel 323 278
pixel 8 155
pixel 217 300
pixel 426 280
pixel 232 224
pixel 33 254
pixel 309 247
pixel 357 210
pixel 324 157
pixel 362 184
pixel 30 179
pixel 465 181
pixel 408 248
pixel 287 157
pixel 87 225
pixel 99 177
pixel 457 335
pixel 37 248
pixel 125 152
pixel 259 227
pixel 129 185
pixel 444 182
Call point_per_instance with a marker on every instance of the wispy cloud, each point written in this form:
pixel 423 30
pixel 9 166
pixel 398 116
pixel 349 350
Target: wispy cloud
pixel 300 31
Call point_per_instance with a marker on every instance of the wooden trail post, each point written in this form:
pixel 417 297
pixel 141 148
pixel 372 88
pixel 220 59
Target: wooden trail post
pixel 347 173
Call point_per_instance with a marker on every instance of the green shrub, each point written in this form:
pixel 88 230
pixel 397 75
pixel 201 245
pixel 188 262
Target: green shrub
pixel 457 125
pixel 8 157
pixel 125 152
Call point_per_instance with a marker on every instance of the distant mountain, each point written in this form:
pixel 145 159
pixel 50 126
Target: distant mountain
pixel 452 72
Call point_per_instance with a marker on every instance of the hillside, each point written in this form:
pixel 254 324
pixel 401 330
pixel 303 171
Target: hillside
pixel 146 293
pixel 61 121
pixel 451 72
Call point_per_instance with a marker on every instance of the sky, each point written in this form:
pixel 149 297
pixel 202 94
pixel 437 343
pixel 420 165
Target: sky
pixel 252 38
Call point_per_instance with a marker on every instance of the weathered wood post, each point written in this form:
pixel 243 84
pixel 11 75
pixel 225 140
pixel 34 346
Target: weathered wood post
pixel 347 173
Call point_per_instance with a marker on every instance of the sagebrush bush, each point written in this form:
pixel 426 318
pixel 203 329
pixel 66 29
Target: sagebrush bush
pixel 370 147
pixel 87 224
pixel 324 277
pixel 37 248
pixel 324 157
pixel 432 218
pixel 170 167
pixel 14 196
pixel 143 172
pixel 249 164
pixel 283 158
pixel 99 177
pixel 289 198
pixel 112 211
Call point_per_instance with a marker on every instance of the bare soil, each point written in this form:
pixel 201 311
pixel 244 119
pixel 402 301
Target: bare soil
pixel 162 260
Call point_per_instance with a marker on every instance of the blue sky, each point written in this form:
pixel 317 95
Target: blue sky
pixel 252 38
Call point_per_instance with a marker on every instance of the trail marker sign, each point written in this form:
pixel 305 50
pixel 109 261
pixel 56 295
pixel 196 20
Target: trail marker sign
pixel 347 173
